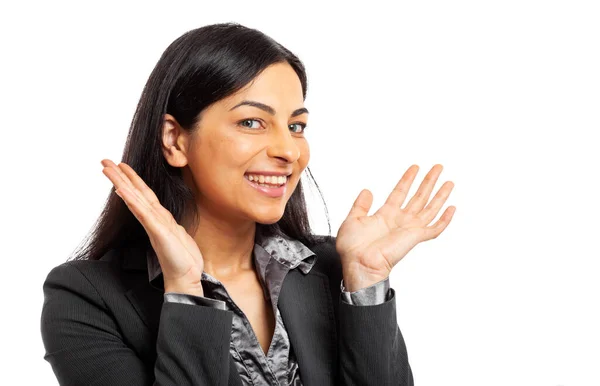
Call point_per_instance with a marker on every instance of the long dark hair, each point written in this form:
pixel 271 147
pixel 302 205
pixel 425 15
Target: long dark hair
pixel 199 68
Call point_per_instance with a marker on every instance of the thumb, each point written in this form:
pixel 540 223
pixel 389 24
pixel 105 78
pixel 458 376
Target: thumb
pixel 362 204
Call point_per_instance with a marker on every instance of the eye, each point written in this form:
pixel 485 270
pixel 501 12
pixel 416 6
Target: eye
pixel 298 127
pixel 249 123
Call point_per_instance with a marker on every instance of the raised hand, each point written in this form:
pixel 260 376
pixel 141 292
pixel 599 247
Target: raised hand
pixel 370 246
pixel 178 254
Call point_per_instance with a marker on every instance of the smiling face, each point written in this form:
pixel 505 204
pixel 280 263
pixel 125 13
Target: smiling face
pixel 252 135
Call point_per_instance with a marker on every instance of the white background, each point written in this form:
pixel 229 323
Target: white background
pixel 504 94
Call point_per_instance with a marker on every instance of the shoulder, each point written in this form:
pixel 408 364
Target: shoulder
pixel 93 293
pixel 90 278
pixel 86 307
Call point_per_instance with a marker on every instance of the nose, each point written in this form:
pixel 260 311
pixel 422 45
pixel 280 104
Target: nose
pixel 282 145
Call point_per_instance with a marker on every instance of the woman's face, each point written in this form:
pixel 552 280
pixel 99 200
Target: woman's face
pixel 254 136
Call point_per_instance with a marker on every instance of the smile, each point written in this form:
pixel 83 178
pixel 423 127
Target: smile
pixel 272 186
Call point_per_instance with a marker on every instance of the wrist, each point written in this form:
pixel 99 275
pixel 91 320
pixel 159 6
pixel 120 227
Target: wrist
pixel 196 290
pixel 358 279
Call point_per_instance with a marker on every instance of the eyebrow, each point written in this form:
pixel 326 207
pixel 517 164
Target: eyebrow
pixel 268 108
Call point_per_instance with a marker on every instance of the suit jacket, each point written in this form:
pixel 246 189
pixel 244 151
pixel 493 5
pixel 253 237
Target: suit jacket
pixel 102 323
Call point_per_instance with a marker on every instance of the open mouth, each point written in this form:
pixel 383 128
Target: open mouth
pixel 272 186
pixel 267 181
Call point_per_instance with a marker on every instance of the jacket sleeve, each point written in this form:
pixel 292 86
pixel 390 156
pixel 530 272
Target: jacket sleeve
pixel 369 296
pixel 372 349
pixel 176 297
pixel 84 345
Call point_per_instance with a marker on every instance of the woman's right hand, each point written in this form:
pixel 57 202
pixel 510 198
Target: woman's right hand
pixel 178 254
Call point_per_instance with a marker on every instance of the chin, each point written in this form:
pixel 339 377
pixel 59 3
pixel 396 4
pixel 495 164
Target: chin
pixel 267 217
pixel 268 220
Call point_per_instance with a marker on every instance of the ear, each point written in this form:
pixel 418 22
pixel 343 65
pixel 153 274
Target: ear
pixel 174 142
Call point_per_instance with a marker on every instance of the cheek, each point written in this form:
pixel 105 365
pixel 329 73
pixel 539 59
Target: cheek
pixel 215 166
pixel 228 155
pixel 304 154
pixel 302 163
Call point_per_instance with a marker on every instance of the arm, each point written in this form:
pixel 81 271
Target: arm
pixel 372 349
pixel 371 346
pixel 84 345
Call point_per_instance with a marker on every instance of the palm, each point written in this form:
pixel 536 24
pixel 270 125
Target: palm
pixel 375 244
pixel 178 253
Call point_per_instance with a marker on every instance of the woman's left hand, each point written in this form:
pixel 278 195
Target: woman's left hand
pixel 370 246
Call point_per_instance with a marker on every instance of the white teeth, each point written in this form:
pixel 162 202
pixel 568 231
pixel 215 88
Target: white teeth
pixel 267 181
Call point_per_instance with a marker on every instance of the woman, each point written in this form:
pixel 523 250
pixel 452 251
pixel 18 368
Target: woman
pixel 203 269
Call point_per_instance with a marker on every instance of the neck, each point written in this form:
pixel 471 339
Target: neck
pixel 226 244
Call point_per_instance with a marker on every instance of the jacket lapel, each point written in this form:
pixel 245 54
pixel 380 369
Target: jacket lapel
pixel 145 298
pixel 147 301
pixel 307 312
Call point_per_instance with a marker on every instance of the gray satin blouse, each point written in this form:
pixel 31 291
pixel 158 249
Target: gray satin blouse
pixel 273 258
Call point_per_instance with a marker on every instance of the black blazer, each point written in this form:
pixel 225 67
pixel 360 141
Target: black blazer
pixel 102 323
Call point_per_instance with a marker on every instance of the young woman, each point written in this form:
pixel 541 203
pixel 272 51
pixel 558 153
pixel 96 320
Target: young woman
pixel 202 269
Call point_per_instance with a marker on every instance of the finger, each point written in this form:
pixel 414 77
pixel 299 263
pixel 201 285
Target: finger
pixel 120 182
pixel 136 198
pixel 133 195
pixel 432 209
pixel 121 179
pixel 418 201
pixel 141 211
pixel 145 194
pixel 139 183
pixel 398 195
pixel 149 195
pixel 441 224
pixel 124 175
pixel 362 204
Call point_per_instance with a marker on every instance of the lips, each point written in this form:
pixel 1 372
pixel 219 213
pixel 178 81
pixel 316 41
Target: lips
pixel 268 189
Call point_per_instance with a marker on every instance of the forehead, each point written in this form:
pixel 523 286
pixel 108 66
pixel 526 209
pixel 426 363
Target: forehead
pixel 276 85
